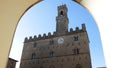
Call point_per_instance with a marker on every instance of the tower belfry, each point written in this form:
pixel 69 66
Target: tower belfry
pixel 62 20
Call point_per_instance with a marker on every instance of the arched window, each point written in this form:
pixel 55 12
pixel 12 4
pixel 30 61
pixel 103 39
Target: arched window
pixel 33 55
pixel 52 54
pixel 61 13
pixel 75 38
pixel 76 51
pixel 51 42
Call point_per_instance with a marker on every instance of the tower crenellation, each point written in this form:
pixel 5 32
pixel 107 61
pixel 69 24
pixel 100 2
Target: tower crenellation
pixel 35 38
pixel 71 29
pixel 77 29
pixel 44 36
pixel 26 39
pixel 49 35
pixel 39 36
pixel 83 27
pixel 54 33
pixel 62 7
pixel 30 39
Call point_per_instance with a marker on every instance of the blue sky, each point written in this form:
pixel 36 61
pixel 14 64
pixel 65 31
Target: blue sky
pixel 41 18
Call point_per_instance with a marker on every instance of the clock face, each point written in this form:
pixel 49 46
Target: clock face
pixel 60 40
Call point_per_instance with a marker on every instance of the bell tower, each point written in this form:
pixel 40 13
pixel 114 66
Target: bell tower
pixel 62 20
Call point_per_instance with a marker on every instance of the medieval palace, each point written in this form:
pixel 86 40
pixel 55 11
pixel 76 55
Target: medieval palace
pixel 62 49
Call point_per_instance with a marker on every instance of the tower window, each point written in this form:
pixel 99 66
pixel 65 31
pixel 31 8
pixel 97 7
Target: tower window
pixel 52 54
pixel 76 51
pixel 34 45
pixel 33 55
pixel 51 42
pixel 75 38
pixel 61 13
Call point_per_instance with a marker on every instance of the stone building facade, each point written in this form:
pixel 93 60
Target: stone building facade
pixel 62 49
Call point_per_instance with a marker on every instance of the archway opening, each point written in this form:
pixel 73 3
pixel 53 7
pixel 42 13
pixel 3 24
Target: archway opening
pixel 40 19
